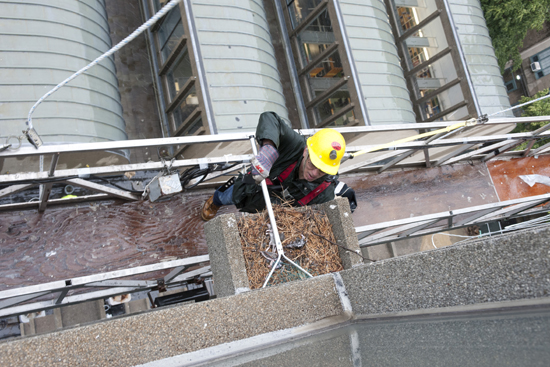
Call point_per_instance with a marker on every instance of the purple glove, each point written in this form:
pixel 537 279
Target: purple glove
pixel 262 163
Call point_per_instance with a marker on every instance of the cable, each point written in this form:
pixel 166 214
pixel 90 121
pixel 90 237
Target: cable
pixel 521 105
pixel 121 44
pixel 115 185
pixel 196 172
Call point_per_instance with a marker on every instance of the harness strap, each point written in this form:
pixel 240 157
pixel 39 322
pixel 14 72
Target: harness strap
pixel 283 176
pixel 312 195
pixel 306 199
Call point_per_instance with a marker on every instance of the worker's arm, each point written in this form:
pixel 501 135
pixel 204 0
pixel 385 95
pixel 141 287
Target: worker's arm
pixel 273 130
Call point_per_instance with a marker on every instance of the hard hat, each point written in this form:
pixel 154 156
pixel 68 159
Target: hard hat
pixel 326 148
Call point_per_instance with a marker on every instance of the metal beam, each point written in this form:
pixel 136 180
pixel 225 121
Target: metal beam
pixel 174 273
pixel 102 188
pixel 397 230
pixel 122 283
pixel 46 190
pixel 149 166
pixel 62 284
pixel 455 152
pixel 417 228
pixel 477 215
pixel 219 138
pixel 499 151
pixel 15 300
pixel 397 159
pixel 89 296
pixel 15 189
pixel 509 211
pixel 34 204
pixel 368 162
pixel 478 151
pixel 441 215
pixel 539 149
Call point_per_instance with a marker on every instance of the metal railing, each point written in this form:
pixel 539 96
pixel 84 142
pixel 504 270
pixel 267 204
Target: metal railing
pixel 456 148
pixel 381 233
pixel 16 301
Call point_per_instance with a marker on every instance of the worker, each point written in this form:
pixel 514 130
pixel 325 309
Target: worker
pixel 299 171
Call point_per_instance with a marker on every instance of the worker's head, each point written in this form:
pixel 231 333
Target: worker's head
pixel 322 155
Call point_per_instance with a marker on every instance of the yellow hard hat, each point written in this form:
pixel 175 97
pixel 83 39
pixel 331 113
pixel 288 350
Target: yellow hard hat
pixel 326 148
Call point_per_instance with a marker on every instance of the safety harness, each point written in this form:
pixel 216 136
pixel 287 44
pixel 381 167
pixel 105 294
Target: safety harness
pixel 306 199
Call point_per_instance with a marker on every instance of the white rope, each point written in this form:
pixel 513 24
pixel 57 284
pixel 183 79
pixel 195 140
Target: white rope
pixel 520 105
pixel 121 44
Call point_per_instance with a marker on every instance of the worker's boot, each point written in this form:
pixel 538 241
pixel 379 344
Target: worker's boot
pixel 209 209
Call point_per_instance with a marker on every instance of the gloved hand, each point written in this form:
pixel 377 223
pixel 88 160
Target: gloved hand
pixel 262 163
pixel 344 190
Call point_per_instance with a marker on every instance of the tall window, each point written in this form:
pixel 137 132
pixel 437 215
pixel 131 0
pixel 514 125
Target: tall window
pixel 177 72
pixel 329 95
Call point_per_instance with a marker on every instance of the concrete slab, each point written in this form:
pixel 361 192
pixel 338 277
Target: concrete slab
pixel 500 268
pixel 226 256
pixel 339 215
pixel 175 330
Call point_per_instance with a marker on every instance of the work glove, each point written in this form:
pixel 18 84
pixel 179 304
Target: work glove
pixel 344 190
pixel 262 163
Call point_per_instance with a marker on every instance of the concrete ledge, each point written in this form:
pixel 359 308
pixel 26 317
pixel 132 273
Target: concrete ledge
pixel 226 256
pixel 173 331
pixel 503 268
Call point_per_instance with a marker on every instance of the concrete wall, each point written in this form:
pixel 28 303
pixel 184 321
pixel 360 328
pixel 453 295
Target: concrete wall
pixel 484 273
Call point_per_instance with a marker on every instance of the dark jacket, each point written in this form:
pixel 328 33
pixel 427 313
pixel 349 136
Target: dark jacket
pixel 290 145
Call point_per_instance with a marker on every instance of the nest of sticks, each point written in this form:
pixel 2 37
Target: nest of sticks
pixel 307 239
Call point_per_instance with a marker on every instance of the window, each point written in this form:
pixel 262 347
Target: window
pixel 177 72
pixel 543 58
pixel 329 96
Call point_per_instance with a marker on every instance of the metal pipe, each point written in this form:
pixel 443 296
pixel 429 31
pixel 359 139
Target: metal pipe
pixel 268 205
pixel 294 80
pixel 182 140
pixel 278 244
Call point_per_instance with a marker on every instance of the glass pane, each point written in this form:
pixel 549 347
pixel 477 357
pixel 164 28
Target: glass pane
pixel 315 38
pixel 194 127
pixel 332 105
pixel 190 102
pixel 179 74
pixel 325 74
pixel 159 4
pixel 300 9
pixel 170 32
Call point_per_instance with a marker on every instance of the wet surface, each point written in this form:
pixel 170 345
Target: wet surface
pixel 63 243
pixel 508 183
pixel 404 194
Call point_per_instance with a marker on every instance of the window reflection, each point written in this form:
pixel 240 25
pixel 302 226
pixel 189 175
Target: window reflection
pixel 300 9
pixel 179 74
pixel 170 32
pixel 315 38
pixel 186 107
pixel 332 105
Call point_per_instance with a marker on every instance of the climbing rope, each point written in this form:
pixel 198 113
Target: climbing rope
pixel 121 44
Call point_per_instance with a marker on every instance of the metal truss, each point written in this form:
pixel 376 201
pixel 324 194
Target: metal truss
pixel 380 233
pixel 471 147
pixel 16 301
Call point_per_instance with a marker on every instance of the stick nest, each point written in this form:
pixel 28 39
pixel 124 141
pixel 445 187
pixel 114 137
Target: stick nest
pixel 318 255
